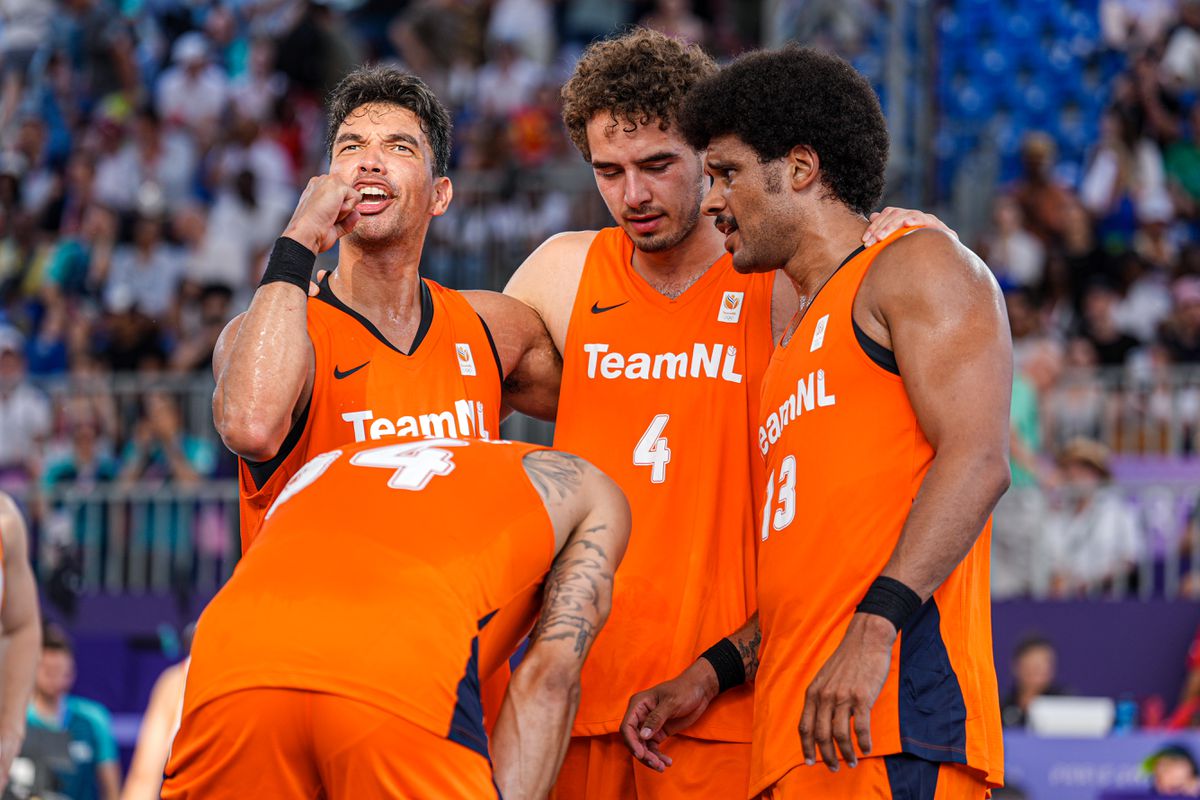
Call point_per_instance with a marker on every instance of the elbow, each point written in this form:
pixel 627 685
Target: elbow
pixel 548 679
pixel 997 474
pixel 252 439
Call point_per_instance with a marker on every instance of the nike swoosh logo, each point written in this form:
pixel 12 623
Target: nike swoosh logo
pixel 338 374
pixel 599 309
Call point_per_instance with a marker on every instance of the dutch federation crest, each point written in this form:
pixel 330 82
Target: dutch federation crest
pixel 466 362
pixel 731 307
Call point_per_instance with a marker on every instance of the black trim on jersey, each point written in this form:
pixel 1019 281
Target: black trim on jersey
pixel 788 336
pixel 875 351
pixel 261 471
pixel 850 257
pixel 492 342
pixel 326 294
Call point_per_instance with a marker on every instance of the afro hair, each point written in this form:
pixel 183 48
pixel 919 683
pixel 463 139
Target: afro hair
pixel 776 100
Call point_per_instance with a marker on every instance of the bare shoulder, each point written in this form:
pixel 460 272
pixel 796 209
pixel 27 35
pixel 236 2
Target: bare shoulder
pixel 559 476
pixel 557 262
pixel 930 260
pixel 500 307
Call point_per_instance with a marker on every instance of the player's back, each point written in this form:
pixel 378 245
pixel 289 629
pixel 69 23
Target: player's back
pixel 375 571
pixel 365 389
pixel 662 394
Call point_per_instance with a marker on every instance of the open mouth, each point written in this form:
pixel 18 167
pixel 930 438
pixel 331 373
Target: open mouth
pixel 374 199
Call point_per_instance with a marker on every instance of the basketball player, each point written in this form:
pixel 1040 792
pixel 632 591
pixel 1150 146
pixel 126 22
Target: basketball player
pixel 379 352
pixel 884 425
pixel 21 633
pixel 375 571
pixel 664 346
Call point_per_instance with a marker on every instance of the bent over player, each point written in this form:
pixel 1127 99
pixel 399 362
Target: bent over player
pixel 884 425
pixel 341 659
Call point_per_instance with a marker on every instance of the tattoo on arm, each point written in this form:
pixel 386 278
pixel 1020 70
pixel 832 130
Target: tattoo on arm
pixel 748 641
pixel 555 475
pixel 578 593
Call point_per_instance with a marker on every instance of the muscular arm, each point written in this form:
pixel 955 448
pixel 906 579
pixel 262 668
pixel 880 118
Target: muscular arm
pixel 264 359
pixel 950 334
pixel 548 281
pixel 21 641
pixel 534 724
pixel 531 363
pixel 154 737
pixel 935 305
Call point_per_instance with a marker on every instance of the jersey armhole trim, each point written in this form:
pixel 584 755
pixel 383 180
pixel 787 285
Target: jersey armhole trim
pixel 326 295
pixel 492 343
pixel 261 471
pixel 883 358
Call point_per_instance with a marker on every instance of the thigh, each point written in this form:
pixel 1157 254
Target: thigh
pixel 596 768
pixel 252 743
pixel 867 781
pixel 700 768
pixel 366 753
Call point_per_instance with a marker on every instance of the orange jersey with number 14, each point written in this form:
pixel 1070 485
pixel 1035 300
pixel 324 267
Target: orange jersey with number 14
pixel 662 394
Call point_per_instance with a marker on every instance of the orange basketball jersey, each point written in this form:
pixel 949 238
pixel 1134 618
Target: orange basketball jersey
pixel 845 460
pixel 373 575
pixel 367 390
pixel 662 395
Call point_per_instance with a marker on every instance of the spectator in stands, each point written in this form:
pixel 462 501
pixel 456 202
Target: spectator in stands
pixel 97 771
pixel 195 349
pixel 1174 772
pixel 676 19
pixel 161 450
pixel 1134 24
pixel 1016 256
pixel 194 92
pixel 256 91
pixel 508 81
pixel 1020 514
pixel 1181 59
pixel 1034 667
pixel 1181 162
pixel 1181 333
pixel 24 415
pixel 149 271
pixel 1100 325
pixel 1043 200
pixel 101 50
pixel 1079 403
pixel 153 169
pixel 86 463
pixel 129 341
pixel 1124 176
pixel 1094 540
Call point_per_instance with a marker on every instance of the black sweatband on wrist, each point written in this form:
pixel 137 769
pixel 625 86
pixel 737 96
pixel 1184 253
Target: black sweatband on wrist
pixel 727 663
pixel 290 262
pixel 890 599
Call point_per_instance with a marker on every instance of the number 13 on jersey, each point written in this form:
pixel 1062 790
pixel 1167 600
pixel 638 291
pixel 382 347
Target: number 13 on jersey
pixel 652 450
pixel 786 512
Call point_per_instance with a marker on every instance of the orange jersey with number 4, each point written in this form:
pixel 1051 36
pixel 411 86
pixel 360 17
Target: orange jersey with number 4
pixel 845 460
pixel 662 395
pixel 365 389
pixel 375 571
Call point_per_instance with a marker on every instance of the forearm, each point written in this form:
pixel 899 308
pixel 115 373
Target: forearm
pixel 21 650
pixel 532 733
pixel 955 500
pixel 265 371
pixel 748 640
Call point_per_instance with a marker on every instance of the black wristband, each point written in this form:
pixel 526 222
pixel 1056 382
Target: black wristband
pixel 727 663
pixel 890 599
pixel 290 262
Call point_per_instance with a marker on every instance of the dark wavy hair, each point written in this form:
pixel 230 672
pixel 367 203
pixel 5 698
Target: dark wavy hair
pixel 376 84
pixel 636 78
pixel 774 100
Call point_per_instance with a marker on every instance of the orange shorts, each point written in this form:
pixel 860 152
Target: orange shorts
pixel 284 744
pixel 602 768
pixel 898 777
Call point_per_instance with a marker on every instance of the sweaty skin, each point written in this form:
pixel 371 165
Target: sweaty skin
pixel 264 360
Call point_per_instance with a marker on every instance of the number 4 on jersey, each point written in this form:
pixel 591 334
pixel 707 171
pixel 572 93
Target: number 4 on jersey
pixel 652 450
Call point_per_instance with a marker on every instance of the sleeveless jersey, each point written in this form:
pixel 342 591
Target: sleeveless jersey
pixel 845 459
pixel 662 395
pixel 365 389
pixel 373 575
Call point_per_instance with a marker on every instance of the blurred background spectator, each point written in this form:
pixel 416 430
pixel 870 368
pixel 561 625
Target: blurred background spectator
pixel 1034 670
